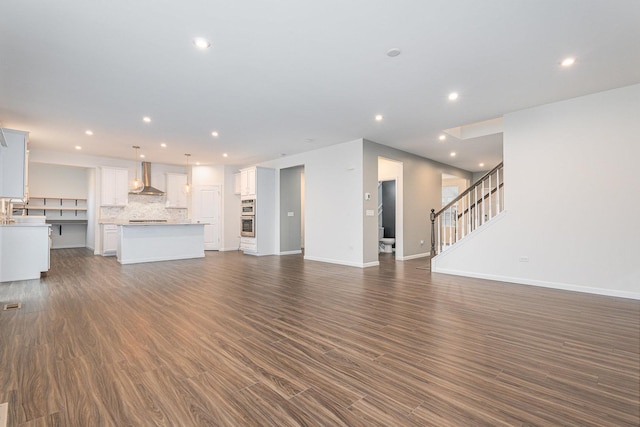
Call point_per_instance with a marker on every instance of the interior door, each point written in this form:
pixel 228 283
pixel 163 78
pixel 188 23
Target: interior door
pixel 206 210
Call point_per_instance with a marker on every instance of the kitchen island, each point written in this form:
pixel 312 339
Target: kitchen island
pixel 151 242
pixel 24 251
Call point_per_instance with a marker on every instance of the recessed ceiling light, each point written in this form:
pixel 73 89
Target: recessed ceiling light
pixel 78 147
pixel 201 43
pixel 88 132
pixel 393 52
pixel 215 133
pixel 453 154
pixel 163 145
pixel 379 118
pixel 442 137
pixel 146 119
pixel 481 165
pixel 225 155
pixel 197 163
pixel 568 62
pixel 142 156
pixel 453 96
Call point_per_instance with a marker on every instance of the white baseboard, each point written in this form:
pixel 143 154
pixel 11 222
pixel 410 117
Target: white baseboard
pixel 235 248
pixel 540 283
pixel 408 257
pixel 340 262
pixel 291 252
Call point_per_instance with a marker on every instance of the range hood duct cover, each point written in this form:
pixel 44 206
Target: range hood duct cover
pixel 148 190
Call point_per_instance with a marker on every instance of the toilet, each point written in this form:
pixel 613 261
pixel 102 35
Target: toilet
pixel 386 243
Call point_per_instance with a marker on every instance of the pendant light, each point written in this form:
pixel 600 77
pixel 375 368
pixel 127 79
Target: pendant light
pixel 187 186
pixel 136 185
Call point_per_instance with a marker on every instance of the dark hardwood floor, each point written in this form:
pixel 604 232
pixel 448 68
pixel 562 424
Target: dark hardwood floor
pixel 233 340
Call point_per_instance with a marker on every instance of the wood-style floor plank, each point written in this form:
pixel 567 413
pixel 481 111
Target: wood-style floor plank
pixel 233 340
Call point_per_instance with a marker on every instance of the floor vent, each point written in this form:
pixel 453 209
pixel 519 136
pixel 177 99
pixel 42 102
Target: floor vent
pixel 12 306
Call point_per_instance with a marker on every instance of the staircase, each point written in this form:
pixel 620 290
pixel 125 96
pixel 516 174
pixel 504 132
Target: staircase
pixel 477 205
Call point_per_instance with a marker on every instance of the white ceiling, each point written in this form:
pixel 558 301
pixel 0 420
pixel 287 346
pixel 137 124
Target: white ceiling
pixel 286 76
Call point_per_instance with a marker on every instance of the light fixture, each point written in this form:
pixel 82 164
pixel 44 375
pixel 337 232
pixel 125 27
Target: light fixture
pixel 187 186
pixel 163 145
pixel 481 165
pixel 146 119
pixel 379 118
pixel 453 96
pixel 142 156
pixel 201 43
pixel 78 147
pixel 88 132
pixel 225 155
pixel 136 185
pixel 442 137
pixel 453 154
pixel 568 62
pixel 214 133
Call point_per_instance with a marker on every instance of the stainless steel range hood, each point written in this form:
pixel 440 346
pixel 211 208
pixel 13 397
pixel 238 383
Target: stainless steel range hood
pixel 148 190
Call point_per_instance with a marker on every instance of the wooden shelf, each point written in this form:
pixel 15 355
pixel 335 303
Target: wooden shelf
pixel 60 204
pixel 51 208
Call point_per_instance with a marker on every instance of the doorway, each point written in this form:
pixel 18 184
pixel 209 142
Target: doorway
pixel 390 214
pixel 206 210
pixel 292 210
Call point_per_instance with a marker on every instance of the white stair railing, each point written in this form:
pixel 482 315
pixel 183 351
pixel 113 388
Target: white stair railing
pixel 476 205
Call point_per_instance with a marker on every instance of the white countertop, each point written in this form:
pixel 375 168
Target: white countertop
pixel 26 224
pixel 163 224
pixel 121 222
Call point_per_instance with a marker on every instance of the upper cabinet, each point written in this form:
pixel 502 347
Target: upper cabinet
pixel 13 164
pixel 115 186
pixel 248 183
pixel 176 197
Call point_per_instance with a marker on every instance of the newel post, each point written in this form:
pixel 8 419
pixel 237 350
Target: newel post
pixel 433 232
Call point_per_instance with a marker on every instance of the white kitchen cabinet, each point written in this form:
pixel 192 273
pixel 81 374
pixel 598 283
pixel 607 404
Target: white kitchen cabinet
pixel 237 184
pixel 24 251
pixel 115 187
pixel 176 197
pixel 264 194
pixel 109 239
pixel 248 183
pixel 13 164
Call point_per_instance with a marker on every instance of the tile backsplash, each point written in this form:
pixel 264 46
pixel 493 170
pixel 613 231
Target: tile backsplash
pixel 144 207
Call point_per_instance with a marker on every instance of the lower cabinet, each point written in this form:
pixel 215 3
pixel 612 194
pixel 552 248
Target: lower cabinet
pixel 109 239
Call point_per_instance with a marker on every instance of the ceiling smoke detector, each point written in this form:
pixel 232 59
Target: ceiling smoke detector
pixel 393 52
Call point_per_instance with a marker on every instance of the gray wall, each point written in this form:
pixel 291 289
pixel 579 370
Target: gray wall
pixel 422 190
pixel 291 202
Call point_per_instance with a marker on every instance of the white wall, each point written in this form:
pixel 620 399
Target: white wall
pixel 333 202
pixel 570 197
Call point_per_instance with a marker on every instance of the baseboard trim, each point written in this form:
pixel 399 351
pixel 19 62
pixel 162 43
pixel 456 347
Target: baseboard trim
pixel 340 262
pixel 291 252
pixel 408 257
pixel 542 284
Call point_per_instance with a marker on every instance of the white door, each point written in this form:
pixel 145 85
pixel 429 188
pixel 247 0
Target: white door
pixel 206 210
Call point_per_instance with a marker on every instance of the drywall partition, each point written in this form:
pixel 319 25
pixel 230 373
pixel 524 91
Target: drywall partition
pixel 333 201
pixel 419 190
pixel 291 210
pixel 570 199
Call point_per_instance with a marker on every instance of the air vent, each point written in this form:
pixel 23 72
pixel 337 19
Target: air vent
pixel 12 306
